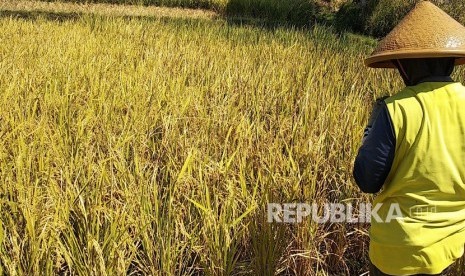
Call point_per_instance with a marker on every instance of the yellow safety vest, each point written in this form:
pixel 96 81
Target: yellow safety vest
pixel 427 181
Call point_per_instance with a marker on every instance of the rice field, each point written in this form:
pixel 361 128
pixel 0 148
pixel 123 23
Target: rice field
pixel 144 145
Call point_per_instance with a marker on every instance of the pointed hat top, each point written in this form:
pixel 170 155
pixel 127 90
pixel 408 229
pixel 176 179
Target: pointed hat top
pixel 425 32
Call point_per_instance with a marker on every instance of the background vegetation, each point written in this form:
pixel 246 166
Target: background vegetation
pixel 378 17
pixel 370 17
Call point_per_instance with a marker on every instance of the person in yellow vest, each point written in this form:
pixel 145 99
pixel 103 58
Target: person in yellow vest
pixel 413 150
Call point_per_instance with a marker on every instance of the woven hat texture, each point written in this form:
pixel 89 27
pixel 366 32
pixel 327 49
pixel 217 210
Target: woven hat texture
pixel 425 32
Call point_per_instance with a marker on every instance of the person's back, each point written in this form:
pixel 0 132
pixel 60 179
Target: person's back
pixel 427 181
pixel 413 149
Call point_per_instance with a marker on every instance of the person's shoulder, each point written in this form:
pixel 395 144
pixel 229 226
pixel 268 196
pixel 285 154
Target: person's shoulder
pixel 457 86
pixel 402 95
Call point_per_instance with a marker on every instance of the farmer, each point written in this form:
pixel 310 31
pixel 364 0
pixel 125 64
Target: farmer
pixel 414 148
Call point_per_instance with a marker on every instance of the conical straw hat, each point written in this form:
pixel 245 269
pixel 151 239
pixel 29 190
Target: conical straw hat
pixel 426 32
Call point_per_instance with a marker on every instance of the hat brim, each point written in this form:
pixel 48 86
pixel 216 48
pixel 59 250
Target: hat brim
pixel 384 60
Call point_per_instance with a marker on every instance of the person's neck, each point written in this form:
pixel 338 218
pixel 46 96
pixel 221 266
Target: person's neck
pixel 437 79
pixel 434 79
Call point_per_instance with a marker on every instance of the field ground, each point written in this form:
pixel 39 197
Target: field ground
pixel 148 145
